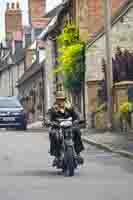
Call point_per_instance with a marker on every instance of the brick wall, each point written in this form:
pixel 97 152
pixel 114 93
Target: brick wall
pixel 89 14
pixel 37 8
pixel 13 19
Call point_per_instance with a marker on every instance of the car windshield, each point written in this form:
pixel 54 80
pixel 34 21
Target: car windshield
pixel 9 103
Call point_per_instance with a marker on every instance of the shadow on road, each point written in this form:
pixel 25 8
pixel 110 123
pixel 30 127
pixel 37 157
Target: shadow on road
pixel 40 173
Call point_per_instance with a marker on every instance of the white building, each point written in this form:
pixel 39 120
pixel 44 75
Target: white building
pixel 11 69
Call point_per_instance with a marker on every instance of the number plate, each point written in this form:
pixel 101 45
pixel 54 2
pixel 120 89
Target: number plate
pixel 8 119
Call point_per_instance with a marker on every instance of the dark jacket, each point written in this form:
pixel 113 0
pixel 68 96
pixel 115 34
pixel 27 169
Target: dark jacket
pixel 54 115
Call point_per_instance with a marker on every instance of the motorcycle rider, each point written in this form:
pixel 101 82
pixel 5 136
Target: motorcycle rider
pixel 62 109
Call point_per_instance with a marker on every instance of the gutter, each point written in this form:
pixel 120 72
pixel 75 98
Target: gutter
pixel 53 23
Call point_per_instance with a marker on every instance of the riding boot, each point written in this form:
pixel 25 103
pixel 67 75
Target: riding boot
pixel 55 161
pixel 80 159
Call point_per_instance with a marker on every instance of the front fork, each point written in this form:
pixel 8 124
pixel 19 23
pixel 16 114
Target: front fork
pixel 68 144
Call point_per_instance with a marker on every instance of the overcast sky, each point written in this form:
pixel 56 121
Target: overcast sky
pixel 49 5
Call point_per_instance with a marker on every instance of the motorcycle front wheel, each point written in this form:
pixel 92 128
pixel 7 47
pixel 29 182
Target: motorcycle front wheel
pixel 69 162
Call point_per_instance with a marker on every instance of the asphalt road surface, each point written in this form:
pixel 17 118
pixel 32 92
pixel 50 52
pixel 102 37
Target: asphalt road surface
pixel 26 172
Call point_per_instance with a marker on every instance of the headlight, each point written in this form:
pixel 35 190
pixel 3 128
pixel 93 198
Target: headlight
pixel 18 113
pixel 3 114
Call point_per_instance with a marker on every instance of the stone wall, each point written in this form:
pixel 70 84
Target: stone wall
pixel 121 36
pixel 25 89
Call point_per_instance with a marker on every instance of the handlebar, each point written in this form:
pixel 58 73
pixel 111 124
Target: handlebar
pixel 57 122
pixel 63 120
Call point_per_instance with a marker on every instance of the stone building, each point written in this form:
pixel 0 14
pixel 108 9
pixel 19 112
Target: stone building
pixel 59 17
pixel 121 36
pixel 11 68
pixel 31 83
pixel 11 51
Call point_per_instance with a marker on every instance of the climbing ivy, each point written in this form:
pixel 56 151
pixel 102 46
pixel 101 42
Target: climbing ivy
pixel 71 57
pixel 69 36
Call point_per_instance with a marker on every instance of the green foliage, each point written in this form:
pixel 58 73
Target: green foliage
pixel 102 108
pixel 69 36
pixel 123 114
pixel 71 57
pixel 126 107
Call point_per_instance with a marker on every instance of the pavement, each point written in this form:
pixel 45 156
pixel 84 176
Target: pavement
pixel 26 172
pixel 35 125
pixel 117 142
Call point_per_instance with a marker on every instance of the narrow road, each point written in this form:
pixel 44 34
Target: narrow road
pixel 26 172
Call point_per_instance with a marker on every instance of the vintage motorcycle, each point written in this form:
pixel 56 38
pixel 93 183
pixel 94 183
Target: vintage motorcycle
pixel 66 158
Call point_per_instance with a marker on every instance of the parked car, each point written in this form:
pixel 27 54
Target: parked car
pixel 12 113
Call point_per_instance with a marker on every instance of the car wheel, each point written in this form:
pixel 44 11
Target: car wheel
pixel 24 127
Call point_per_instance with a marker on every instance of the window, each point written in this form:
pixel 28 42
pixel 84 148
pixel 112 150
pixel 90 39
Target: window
pixel 37 32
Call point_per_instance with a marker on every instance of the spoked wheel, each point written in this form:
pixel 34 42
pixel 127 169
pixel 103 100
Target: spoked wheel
pixel 69 162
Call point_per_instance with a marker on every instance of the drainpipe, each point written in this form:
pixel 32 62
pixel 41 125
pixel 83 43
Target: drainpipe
pixel 84 110
pixel 12 87
pixel 43 81
pixel 43 92
pixel 109 72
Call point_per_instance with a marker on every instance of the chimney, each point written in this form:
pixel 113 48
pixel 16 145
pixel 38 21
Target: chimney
pixel 37 9
pixel 13 20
